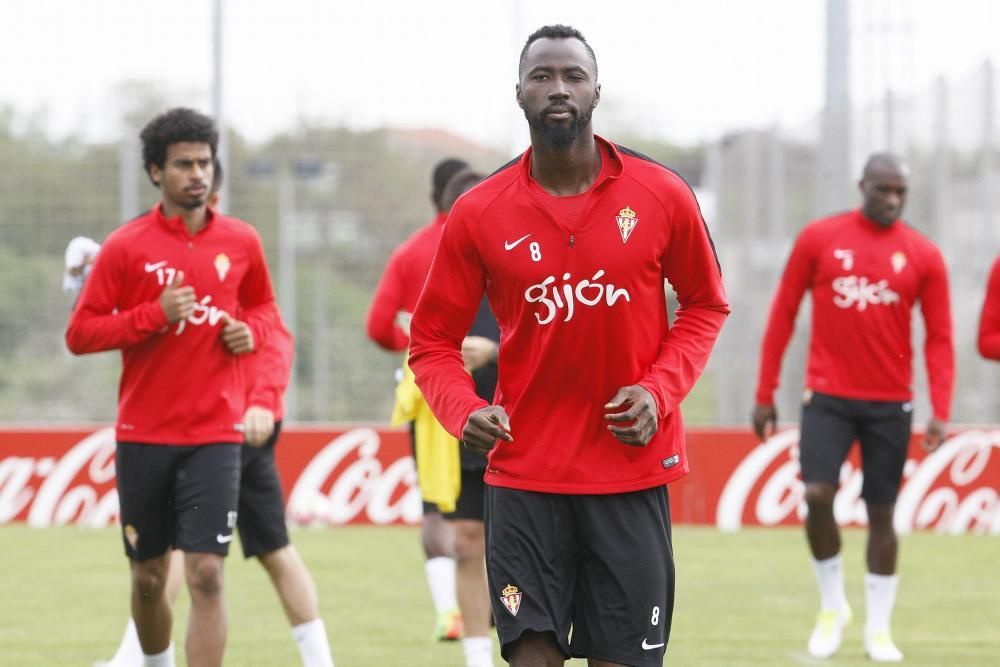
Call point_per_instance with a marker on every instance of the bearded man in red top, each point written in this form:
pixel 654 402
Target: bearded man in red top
pixel 571 243
pixel 166 289
pixel 866 269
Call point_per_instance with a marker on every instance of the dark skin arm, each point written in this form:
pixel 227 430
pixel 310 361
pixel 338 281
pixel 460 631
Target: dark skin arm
pixel 484 427
pixel 935 434
pixel 632 404
pixel 765 421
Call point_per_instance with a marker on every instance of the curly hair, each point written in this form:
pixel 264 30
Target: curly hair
pixel 172 127
pixel 557 31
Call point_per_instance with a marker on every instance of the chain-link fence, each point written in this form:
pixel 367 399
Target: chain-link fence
pixel 331 204
pixel 768 184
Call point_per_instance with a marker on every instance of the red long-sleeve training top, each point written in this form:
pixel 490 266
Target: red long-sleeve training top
pixel 400 285
pixel 269 370
pixel 180 385
pixel 865 280
pixel 989 320
pixel 577 286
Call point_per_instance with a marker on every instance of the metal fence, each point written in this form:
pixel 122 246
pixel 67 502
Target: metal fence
pixel 331 204
pixel 768 184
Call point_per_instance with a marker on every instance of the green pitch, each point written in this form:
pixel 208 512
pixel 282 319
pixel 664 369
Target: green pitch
pixel 742 599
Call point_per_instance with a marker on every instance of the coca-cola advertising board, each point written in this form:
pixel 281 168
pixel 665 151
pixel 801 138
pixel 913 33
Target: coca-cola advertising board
pixel 358 474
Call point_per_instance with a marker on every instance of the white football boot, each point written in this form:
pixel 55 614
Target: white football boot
pixel 829 631
pixel 880 647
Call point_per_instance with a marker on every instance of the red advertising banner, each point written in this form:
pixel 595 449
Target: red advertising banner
pixel 359 474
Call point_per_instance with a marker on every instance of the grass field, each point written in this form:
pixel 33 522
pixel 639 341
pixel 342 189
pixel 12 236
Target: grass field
pixel 742 599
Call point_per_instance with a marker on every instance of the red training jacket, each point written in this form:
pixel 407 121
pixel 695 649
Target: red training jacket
pixel 269 369
pixel 989 321
pixel 180 385
pixel 577 286
pixel 399 287
pixel 865 280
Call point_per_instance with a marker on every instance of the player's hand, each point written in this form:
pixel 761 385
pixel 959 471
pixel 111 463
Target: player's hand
pixel 484 427
pixel 765 420
pixel 258 425
pixel 935 434
pixel 633 404
pixel 177 301
pixel 237 335
pixel 478 351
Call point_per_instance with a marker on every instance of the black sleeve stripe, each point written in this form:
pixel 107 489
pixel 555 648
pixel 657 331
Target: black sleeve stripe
pixel 637 154
pixel 506 166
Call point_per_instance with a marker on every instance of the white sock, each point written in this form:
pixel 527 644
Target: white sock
pixel 129 653
pixel 441 579
pixel 880 597
pixel 830 577
pixel 165 659
pixel 478 651
pixel 313 644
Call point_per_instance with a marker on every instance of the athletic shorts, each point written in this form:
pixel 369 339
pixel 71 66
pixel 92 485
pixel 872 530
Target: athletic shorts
pixel 830 425
pixel 182 497
pixel 599 565
pixel 261 520
pixel 470 499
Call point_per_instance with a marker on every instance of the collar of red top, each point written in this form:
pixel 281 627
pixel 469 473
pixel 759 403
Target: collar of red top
pixel 176 223
pixel 440 218
pixel 868 221
pixel 608 171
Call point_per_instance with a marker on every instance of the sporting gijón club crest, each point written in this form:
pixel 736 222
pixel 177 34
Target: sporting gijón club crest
pixel 627 221
pixel 511 598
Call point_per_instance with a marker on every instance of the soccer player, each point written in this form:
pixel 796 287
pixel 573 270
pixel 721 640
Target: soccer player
pixel 479 355
pixel 571 243
pixel 989 320
pixel 866 270
pixel 388 325
pixel 260 522
pixel 165 290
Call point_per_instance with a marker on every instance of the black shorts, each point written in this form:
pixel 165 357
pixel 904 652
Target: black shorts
pixel 470 499
pixel 177 496
pixel 830 425
pixel 601 565
pixel 261 521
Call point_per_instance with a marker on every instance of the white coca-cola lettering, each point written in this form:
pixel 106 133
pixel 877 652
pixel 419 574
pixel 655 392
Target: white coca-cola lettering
pixel 729 513
pixel 56 503
pixel 782 493
pixel 954 507
pixel 15 473
pixel 965 457
pixel 363 486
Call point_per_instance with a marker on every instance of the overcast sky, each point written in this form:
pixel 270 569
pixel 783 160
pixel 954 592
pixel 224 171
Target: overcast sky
pixel 685 70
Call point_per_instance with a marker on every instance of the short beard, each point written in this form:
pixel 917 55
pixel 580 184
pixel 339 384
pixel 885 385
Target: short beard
pixel 559 137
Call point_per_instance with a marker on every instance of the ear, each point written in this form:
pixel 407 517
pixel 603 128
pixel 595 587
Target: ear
pixel 597 96
pixel 520 100
pixel 155 175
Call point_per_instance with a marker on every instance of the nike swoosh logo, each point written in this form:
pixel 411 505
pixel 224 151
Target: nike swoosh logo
pixel 153 267
pixel 507 245
pixel 226 539
pixel 649 647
